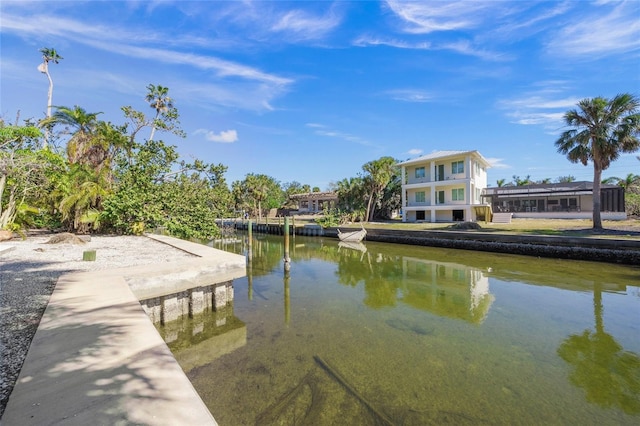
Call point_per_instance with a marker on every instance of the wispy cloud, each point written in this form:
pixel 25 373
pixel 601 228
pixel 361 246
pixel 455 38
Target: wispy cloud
pixel 612 28
pixel 225 136
pixel 127 43
pixel 463 47
pixel 498 163
pixel 427 17
pixel 364 41
pixel 545 106
pixel 409 95
pixel 415 151
pixel 301 25
pixel 323 130
pixel 256 89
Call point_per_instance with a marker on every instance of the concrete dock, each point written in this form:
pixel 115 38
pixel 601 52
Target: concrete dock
pixel 96 358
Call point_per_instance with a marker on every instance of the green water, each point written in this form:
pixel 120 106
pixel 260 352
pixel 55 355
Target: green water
pixel 410 335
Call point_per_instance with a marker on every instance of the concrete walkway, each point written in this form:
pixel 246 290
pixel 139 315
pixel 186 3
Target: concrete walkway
pixel 97 359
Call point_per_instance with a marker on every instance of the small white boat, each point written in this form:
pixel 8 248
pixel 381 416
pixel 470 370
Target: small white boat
pixel 353 236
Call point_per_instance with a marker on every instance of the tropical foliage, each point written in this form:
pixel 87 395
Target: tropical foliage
pixel 256 194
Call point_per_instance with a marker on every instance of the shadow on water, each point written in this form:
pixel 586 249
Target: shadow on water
pixel 407 335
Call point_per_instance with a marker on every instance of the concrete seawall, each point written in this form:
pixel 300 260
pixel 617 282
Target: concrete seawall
pixel 576 248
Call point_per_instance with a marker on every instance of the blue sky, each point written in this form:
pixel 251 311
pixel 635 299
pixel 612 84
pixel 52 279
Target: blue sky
pixel 309 91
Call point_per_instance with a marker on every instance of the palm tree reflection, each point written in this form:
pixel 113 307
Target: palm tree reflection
pixel 609 375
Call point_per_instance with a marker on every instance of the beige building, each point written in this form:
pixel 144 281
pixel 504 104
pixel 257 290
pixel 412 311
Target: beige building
pixel 444 186
pixel 315 202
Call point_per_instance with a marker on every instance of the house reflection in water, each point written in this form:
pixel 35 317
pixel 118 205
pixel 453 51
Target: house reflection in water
pixel 446 289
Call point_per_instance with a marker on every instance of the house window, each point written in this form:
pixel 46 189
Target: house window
pixel 440 197
pixel 457 194
pixel 420 197
pixel 419 172
pixel 457 167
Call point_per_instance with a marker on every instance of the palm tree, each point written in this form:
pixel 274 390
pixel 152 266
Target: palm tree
pixel 501 182
pixel 158 98
pixel 81 124
pixel 257 186
pixel 380 172
pixel 629 181
pixel 601 130
pixel 48 55
pixel 522 181
pixel 565 179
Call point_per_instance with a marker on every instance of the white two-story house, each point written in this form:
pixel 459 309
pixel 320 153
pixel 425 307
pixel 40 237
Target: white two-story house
pixel 443 186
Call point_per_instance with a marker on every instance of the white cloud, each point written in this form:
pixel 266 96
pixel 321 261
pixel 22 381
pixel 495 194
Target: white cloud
pixel 414 151
pixel 128 43
pixel 301 25
pixel 427 17
pixel 410 95
pixel 611 28
pixel 323 130
pixel 545 108
pixel 225 136
pixel 463 47
pixel 364 41
pixel 497 163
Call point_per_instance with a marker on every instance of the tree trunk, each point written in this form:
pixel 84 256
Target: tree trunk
pixel 368 208
pixel 597 176
pixel 47 133
pixel 153 126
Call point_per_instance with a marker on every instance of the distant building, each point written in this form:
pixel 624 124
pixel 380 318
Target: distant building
pixel 444 186
pixel 315 202
pixel 571 200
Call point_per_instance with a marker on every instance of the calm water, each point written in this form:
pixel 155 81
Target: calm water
pixel 406 335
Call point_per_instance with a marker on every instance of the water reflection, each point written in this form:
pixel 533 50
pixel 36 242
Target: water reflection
pixel 415 335
pixel 609 375
pixel 200 339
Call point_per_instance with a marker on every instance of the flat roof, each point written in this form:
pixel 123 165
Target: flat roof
pixel 441 155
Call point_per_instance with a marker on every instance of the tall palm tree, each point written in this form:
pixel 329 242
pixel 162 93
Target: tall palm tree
pixel 601 130
pixel 48 55
pixel 81 124
pixel 158 98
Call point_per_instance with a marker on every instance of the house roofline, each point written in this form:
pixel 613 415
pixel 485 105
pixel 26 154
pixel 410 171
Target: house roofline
pixel 442 155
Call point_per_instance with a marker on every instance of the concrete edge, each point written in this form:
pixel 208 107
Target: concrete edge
pixel 6 249
pixel 96 357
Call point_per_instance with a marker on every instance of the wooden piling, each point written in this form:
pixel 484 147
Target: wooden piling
pixel 287 259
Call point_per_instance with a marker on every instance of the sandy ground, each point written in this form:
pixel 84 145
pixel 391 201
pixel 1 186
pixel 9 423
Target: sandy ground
pixel 28 273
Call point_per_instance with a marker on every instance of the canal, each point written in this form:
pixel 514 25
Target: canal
pixel 407 335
